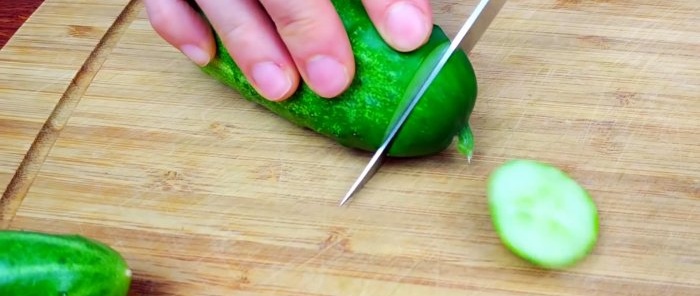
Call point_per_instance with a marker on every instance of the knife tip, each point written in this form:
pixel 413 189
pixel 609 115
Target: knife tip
pixel 345 199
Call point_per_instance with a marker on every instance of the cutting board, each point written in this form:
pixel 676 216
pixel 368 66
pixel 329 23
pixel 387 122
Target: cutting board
pixel 110 133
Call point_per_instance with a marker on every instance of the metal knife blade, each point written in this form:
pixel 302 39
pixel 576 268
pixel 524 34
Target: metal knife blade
pixel 466 38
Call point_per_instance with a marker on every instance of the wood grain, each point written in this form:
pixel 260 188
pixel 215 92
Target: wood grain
pixel 43 72
pixel 207 194
pixel 45 139
pixel 12 15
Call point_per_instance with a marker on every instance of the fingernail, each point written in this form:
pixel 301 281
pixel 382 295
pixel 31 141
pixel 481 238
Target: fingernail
pixel 406 25
pixel 196 54
pixel 271 80
pixel 327 76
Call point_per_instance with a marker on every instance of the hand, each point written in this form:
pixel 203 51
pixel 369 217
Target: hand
pixel 278 42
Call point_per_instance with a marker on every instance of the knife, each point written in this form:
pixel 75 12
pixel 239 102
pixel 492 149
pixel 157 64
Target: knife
pixel 466 38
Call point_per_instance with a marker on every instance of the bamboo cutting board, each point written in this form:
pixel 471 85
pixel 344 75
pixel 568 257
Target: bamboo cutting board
pixel 109 132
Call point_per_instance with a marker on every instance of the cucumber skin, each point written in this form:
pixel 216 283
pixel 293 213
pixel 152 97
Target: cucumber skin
pixel 359 118
pixel 34 263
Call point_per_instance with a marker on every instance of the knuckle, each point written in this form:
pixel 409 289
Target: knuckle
pixel 297 25
pixel 243 36
pixel 158 19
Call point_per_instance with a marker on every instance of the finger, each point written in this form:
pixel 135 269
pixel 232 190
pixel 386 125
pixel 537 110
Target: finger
pixel 404 24
pixel 317 41
pixel 178 24
pixel 251 39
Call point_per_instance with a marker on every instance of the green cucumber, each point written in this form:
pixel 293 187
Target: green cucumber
pixel 34 263
pixel 360 116
pixel 541 214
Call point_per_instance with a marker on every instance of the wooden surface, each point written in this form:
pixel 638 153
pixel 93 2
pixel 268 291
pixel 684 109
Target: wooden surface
pixel 207 194
pixel 37 68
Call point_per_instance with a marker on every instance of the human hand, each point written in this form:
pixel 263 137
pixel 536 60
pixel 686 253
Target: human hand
pixel 278 42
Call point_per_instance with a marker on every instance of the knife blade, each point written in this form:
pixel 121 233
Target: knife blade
pixel 467 37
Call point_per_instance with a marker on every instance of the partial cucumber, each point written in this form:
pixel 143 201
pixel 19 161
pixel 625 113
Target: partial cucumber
pixel 33 263
pixel 541 214
pixel 360 117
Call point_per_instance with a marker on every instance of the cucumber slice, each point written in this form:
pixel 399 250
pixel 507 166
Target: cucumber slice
pixel 541 214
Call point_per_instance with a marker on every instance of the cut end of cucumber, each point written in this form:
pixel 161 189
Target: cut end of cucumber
pixel 541 214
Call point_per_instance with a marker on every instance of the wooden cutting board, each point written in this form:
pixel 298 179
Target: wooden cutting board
pixel 109 132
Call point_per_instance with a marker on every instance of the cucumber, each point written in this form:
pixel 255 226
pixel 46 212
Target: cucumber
pixel 38 264
pixel 360 117
pixel 541 214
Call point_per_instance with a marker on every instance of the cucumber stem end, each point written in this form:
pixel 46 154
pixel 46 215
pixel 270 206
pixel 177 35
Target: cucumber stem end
pixel 465 144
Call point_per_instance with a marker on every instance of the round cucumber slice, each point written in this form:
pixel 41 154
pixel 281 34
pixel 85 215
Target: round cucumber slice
pixel 541 214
